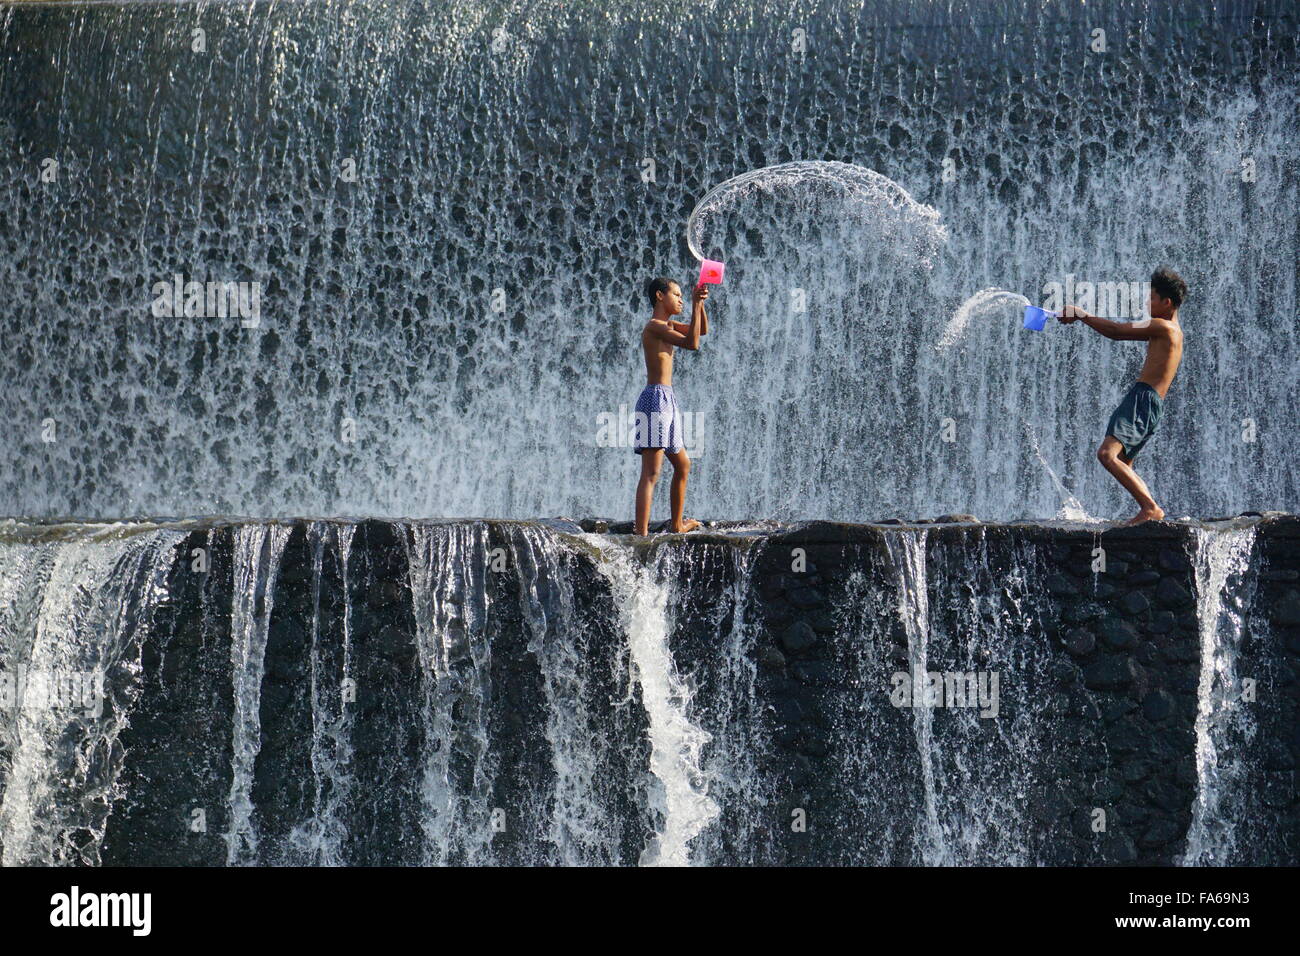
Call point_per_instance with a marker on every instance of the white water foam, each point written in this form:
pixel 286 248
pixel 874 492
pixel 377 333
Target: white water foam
pixel 1224 723
pixel 63 611
pixel 682 800
pixel 907 549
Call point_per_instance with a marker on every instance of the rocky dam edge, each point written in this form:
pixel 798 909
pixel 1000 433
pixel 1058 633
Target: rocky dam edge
pixel 497 692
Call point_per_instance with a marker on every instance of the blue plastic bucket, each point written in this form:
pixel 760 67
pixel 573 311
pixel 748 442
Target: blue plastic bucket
pixel 1036 318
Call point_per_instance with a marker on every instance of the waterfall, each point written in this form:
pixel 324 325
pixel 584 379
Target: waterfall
pixel 519 693
pixel 644 596
pixel 1004 766
pixel 448 567
pixel 582 826
pixel 1225 724
pixel 727 703
pixel 907 549
pixel 258 549
pixel 416 186
pixel 332 692
pixel 993 774
pixel 873 750
pixel 526 741
pixel 74 612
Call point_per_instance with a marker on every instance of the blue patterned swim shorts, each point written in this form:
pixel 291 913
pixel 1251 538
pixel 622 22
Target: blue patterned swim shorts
pixel 658 420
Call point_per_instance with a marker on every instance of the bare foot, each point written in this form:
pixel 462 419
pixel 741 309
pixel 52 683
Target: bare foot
pixel 690 524
pixel 1146 514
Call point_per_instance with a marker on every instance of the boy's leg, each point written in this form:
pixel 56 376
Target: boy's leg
pixel 681 469
pixel 1111 456
pixel 651 460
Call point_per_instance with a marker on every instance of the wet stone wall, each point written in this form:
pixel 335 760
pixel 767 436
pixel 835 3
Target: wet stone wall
pixel 499 692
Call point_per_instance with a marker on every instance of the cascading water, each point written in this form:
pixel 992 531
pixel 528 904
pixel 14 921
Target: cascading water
pixel 989 774
pixel 681 799
pixel 503 779
pixel 883 797
pixel 333 687
pixel 258 549
pixel 1001 759
pixel 1225 725
pixel 714 599
pixel 450 210
pixel 582 823
pixel 518 693
pixel 448 566
pixel 74 612
pixel 908 553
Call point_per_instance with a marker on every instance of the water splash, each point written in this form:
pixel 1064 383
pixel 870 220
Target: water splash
pixel 1072 509
pixel 856 205
pixel 983 302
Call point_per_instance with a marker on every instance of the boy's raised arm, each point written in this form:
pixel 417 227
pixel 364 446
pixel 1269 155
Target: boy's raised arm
pixel 668 332
pixel 699 324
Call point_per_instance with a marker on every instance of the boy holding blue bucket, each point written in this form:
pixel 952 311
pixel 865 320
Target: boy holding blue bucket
pixel 1138 415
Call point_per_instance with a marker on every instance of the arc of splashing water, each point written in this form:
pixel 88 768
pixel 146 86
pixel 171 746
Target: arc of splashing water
pixel 826 171
pixel 982 301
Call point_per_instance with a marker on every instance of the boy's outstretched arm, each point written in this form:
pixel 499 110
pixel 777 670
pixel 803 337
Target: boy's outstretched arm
pixel 1141 330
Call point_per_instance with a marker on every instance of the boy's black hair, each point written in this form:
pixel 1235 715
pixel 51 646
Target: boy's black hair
pixel 1168 284
pixel 656 285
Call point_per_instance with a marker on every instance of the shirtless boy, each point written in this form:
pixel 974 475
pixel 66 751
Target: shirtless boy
pixel 659 424
pixel 1138 415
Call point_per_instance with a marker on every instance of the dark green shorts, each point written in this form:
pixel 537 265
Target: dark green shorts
pixel 1136 419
